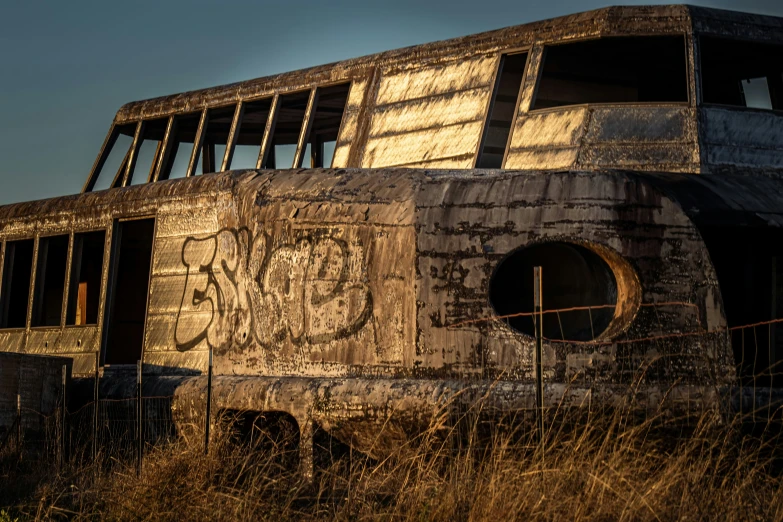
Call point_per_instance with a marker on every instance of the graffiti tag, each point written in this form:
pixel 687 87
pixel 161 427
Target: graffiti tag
pixel 239 288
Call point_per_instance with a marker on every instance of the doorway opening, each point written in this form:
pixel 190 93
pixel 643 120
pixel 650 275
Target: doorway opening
pixel 127 295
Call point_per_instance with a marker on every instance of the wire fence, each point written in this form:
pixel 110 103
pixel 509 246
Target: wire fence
pixel 124 429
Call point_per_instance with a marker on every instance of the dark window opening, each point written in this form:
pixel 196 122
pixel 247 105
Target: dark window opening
pixel 216 131
pixel 148 152
pixel 288 126
pixel 742 74
pixel 115 157
pixel 638 69
pixel 572 277
pixel 749 265
pixel 179 147
pixel 502 109
pixel 325 125
pixel 131 258
pixel 85 282
pixel 49 281
pixel 250 133
pixel 14 293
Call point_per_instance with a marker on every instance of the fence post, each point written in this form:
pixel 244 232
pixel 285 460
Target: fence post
pixel 96 405
pixel 140 415
pixel 538 314
pixel 62 418
pixel 209 404
pixel 19 425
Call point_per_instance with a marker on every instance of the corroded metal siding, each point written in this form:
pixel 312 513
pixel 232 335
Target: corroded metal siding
pixel 38 384
pixel 736 138
pixel 426 106
pixel 349 128
pixel 584 137
pixel 350 272
pixel 322 277
pixel 430 116
pixel 97 211
pixel 468 224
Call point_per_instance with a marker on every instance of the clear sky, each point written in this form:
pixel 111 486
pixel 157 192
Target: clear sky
pixel 66 67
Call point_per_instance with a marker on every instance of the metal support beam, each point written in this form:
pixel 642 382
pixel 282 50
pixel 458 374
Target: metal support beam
pixel 197 143
pixel 307 124
pixel 134 154
pixel 538 315
pixel 239 112
pixel 269 130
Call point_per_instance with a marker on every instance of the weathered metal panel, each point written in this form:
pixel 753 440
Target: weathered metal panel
pixel 741 137
pixel 429 145
pixel 547 140
pixel 53 341
pixel 171 223
pixel 12 340
pixel 430 113
pixel 37 381
pixel 641 125
pixel 453 108
pixel 472 73
pixel 589 137
pixel 350 124
pixel 176 363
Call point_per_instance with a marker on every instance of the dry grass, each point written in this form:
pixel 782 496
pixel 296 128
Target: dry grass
pixel 597 470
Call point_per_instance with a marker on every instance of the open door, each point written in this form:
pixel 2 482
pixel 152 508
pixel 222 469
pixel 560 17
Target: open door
pixel 129 280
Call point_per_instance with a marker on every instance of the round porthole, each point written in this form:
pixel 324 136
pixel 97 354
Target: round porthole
pixel 588 291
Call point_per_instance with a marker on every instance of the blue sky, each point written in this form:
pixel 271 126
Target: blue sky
pixel 66 67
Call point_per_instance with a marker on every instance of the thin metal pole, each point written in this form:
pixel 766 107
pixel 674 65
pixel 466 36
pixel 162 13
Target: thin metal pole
pixel 19 425
pixel 209 404
pixel 62 418
pixel 538 313
pixel 95 410
pixel 140 416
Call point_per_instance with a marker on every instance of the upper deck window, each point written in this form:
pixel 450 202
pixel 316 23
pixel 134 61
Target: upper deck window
pixel 742 74
pixel 148 151
pixel 250 134
pixel 325 125
pixel 216 131
pixel 502 111
pixel 638 69
pixel 180 146
pixel 287 128
pixel 112 163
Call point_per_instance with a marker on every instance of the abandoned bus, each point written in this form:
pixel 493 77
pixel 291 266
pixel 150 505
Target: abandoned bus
pixel 354 244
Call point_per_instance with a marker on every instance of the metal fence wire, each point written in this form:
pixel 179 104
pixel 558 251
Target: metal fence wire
pixel 123 429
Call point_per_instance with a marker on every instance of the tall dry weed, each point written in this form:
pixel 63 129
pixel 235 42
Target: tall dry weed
pixel 602 468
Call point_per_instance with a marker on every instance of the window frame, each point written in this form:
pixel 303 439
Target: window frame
pixel 70 233
pixel 34 280
pixel 499 57
pixel 688 45
pixel 697 42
